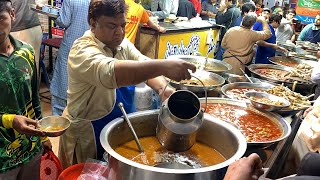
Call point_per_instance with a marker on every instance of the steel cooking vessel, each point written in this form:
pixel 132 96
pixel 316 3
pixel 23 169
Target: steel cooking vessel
pixel 306 88
pixel 280 121
pixel 212 65
pixel 220 135
pixel 277 59
pixel 203 76
pixel 263 86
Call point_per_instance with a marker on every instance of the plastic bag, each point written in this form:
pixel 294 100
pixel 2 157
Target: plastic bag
pixel 94 170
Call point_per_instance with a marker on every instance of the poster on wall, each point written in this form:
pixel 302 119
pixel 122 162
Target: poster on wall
pixel 55 29
pixel 307 10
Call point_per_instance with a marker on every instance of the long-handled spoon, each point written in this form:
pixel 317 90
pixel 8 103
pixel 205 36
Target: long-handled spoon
pixel 120 105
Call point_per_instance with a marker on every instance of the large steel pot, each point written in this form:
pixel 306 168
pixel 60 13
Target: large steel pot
pixel 280 60
pixel 305 88
pixel 222 136
pixel 264 86
pixel 280 121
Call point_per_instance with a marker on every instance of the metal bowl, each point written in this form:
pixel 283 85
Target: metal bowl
pixel 212 65
pixel 54 126
pixel 303 56
pixel 263 86
pixel 253 67
pixel 289 46
pixel 282 123
pixel 303 87
pixel 217 66
pixel 288 112
pixel 203 76
pixel 242 79
pixel 265 106
pixel 290 62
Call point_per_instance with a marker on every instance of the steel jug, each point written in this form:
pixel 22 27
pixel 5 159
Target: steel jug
pixel 179 120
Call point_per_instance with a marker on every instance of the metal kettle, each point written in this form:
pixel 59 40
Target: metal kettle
pixel 179 120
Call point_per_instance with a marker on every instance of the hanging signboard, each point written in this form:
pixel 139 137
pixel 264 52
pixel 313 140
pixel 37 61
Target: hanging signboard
pixel 307 10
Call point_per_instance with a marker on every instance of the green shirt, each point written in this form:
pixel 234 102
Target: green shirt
pixel 18 95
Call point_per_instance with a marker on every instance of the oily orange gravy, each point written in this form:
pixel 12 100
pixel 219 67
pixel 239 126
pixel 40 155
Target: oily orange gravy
pixel 52 128
pixel 199 155
pixel 255 127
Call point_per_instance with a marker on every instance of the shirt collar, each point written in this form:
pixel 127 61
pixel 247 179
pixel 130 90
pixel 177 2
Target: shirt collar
pixel 16 44
pixel 103 46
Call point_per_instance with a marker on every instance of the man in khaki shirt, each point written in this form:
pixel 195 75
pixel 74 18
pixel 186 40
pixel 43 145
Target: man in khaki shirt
pixel 238 42
pixel 100 72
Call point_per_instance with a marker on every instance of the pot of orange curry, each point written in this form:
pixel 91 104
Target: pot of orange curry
pixel 218 144
pixel 261 128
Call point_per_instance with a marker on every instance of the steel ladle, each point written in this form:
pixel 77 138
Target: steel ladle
pixel 246 76
pixel 168 165
pixel 120 105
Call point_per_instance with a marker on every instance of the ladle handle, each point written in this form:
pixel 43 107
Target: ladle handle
pixel 120 105
pixel 246 76
pixel 204 88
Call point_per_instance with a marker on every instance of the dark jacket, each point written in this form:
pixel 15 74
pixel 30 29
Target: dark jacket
pixel 228 19
pixel 186 9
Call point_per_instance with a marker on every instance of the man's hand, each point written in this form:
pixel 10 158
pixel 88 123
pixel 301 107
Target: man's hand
pixel 27 126
pixel 305 113
pixel 284 50
pixel 161 29
pixel 166 93
pixel 149 13
pixel 47 145
pixel 245 168
pixel 210 14
pixel 318 54
pixel 177 70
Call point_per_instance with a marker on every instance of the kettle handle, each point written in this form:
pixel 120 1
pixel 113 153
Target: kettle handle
pixel 204 88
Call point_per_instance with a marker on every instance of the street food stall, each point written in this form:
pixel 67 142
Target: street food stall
pixel 233 106
pixel 182 38
pixel 221 113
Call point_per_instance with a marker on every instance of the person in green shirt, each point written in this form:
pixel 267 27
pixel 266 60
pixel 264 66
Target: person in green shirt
pixel 20 142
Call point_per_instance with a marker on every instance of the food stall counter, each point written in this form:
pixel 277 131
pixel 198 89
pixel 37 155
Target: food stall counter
pixel 181 38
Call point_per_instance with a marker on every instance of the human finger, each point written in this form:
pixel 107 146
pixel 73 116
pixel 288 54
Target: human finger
pixel 187 75
pixel 31 122
pixel 259 172
pixel 192 67
pixel 307 111
pixel 255 160
pixel 32 131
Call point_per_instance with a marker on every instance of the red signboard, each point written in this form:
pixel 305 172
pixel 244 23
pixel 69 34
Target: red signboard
pixel 57 31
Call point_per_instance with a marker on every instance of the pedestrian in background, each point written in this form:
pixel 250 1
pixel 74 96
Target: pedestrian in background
pixel 26 27
pixel 73 17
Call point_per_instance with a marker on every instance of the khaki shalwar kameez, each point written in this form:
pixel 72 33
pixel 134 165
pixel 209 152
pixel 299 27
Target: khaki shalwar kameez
pixel 238 44
pixel 91 93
